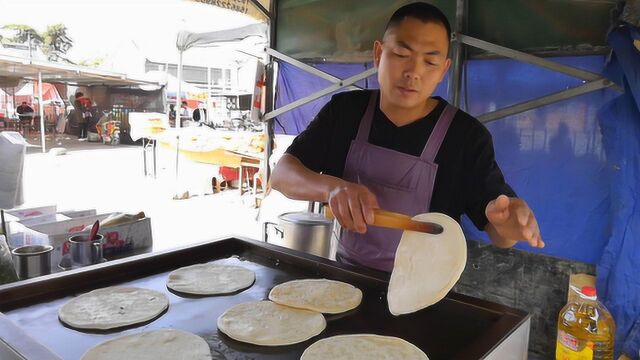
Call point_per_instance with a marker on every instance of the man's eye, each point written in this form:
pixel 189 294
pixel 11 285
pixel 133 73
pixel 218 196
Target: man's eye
pixel 400 54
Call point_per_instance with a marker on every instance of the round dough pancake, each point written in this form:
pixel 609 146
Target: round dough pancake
pixel 363 347
pixel 321 295
pixel 210 279
pixel 113 307
pixel 270 324
pixel 165 344
pixel 426 266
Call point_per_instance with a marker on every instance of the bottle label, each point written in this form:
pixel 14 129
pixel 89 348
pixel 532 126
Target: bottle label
pixel 568 348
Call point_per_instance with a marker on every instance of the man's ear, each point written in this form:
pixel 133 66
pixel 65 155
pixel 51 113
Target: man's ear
pixel 377 53
pixel 447 65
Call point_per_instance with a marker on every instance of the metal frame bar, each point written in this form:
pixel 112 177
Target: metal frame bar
pixel 545 100
pixel 305 67
pixel 262 9
pixel 593 81
pixel 455 81
pixel 269 97
pixel 41 113
pixel 318 94
pixel 529 59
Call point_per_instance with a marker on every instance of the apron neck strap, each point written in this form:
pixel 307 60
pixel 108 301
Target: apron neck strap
pixel 367 118
pixel 437 135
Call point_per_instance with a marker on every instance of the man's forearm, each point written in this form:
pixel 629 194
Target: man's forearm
pixel 296 181
pixel 496 239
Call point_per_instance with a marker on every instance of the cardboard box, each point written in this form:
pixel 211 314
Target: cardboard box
pixel 15 229
pixel 78 213
pixel 22 214
pixel 117 239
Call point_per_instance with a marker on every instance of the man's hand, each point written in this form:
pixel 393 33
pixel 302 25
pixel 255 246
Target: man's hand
pixel 352 205
pixel 511 220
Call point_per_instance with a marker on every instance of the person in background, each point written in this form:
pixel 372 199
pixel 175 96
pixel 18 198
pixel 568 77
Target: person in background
pixel 184 113
pixel 172 112
pixel 83 114
pixel 200 114
pixel 25 114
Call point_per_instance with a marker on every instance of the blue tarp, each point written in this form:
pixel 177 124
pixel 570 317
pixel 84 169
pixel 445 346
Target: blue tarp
pixel 618 282
pixel 575 162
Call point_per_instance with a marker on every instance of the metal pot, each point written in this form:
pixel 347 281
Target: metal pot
pixel 84 251
pixel 304 231
pixel 32 260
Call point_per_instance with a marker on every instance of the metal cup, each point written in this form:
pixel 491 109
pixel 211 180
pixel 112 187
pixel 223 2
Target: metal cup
pixel 32 260
pixel 84 251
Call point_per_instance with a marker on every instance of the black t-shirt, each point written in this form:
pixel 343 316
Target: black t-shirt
pixel 467 178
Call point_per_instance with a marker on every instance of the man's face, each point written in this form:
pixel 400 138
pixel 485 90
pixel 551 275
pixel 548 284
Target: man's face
pixel 411 61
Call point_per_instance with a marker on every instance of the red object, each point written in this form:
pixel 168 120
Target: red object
pixel 231 174
pixel 589 291
pixel 85 102
pixel 113 240
pixel 94 230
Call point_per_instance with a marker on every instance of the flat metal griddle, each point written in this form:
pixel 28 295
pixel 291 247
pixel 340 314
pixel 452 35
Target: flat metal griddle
pixel 458 327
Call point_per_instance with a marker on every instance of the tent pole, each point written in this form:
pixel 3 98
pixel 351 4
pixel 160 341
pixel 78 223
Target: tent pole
pixel 178 100
pixel 13 111
pixel 41 111
pixel 164 90
pixel 455 79
pixel 270 95
pixel 209 95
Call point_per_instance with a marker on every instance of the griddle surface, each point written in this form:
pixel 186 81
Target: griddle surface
pixel 458 327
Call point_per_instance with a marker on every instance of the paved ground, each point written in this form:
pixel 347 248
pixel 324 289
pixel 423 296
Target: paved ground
pixel 110 178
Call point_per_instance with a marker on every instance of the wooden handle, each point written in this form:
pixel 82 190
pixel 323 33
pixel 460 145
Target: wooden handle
pixel 393 220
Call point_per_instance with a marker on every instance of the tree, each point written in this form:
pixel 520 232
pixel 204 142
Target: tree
pixel 96 62
pixel 22 34
pixel 56 42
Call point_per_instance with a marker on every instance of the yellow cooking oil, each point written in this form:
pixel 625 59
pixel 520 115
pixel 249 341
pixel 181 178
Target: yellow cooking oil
pixel 586 329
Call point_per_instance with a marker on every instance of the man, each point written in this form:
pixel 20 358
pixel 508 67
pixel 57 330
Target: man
pixel 184 113
pixel 402 150
pixel 82 111
pixel 200 114
pixel 25 112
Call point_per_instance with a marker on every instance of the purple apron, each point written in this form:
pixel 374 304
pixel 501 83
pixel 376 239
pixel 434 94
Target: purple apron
pixel 401 183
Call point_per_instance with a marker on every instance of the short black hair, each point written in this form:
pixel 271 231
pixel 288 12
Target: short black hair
pixel 79 94
pixel 422 11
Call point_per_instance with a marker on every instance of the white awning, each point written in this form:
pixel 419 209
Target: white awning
pixel 14 68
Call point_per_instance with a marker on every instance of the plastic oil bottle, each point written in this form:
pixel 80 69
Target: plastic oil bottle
pixel 585 329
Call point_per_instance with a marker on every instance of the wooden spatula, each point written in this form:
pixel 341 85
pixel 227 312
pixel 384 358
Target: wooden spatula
pixel 393 220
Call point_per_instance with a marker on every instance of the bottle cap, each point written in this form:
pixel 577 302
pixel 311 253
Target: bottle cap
pixel 589 291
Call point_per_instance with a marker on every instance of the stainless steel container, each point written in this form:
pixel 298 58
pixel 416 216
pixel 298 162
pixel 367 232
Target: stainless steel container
pixel 85 252
pixel 304 231
pixel 32 260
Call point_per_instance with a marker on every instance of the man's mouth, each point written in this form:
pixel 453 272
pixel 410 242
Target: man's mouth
pixel 407 90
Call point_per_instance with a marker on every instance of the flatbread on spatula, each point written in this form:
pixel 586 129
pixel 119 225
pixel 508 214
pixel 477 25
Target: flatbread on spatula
pixel 426 266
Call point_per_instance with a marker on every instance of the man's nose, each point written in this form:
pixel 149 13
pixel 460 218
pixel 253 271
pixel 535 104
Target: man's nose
pixel 412 71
